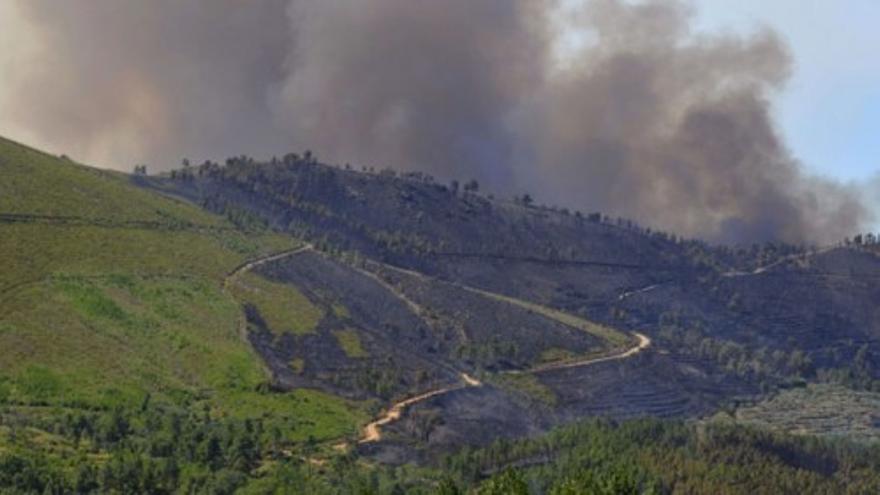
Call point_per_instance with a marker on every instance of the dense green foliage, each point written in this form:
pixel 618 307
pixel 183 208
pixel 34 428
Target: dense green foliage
pixel 114 314
pixel 160 450
pixel 651 456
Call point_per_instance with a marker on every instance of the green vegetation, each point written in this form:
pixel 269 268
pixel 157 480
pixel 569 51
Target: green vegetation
pixel 124 370
pixel 527 384
pixel 819 409
pixel 166 450
pixel 555 354
pixel 485 354
pixel 112 305
pixel 769 367
pixel 36 183
pixel 155 448
pixel 350 343
pixel 340 311
pixel 298 365
pixel 282 307
pixel 653 456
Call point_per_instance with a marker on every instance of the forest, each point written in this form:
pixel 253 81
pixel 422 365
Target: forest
pixel 157 449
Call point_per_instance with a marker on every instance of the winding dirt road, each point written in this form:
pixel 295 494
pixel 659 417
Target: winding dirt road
pixel 249 265
pixel 785 259
pixel 238 272
pixel 643 343
pixel 372 431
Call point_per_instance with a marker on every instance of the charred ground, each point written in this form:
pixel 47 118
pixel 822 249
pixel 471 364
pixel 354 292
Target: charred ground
pixel 409 256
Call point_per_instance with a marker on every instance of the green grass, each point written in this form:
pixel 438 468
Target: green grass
pixel 350 343
pixel 282 306
pixel 114 342
pixel 128 300
pixel 340 311
pixel 304 413
pixel 528 385
pixel 555 354
pixel 39 183
pixel 298 365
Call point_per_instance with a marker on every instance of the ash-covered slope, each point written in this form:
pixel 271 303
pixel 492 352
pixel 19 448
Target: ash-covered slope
pixel 725 322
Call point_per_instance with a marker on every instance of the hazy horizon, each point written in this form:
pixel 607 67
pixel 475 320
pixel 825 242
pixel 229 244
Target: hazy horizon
pixel 671 113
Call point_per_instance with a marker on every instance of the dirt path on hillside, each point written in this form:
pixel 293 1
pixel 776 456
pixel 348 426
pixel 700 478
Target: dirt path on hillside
pixel 643 343
pixel 615 337
pixel 785 259
pixel 413 306
pixel 372 431
pixel 249 265
pixel 626 295
pixel 240 270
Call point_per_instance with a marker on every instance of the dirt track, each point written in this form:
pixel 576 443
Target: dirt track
pixel 372 433
pixel 244 267
pixel 643 343
pixel 785 259
pixel 240 270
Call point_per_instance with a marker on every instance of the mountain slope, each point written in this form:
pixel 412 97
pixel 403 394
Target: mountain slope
pixel 111 295
pixel 727 323
pixel 150 346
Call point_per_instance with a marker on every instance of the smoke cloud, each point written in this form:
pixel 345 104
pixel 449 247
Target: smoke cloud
pixel 641 118
pixel 118 83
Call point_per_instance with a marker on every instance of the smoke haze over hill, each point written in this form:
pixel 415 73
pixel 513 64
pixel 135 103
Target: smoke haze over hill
pixel 643 119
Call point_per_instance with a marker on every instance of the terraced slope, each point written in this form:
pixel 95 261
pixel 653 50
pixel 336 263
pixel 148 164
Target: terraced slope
pixel 819 409
pixel 111 295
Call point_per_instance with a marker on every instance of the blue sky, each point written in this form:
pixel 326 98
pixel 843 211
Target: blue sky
pixel 830 110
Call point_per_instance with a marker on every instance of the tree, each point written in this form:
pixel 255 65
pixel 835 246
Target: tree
pixel 508 482
pixel 472 186
pixel 210 452
pixel 86 480
pixel 454 187
pixel 448 487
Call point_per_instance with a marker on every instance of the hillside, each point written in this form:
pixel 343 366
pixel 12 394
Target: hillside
pixel 729 324
pixel 112 298
pixel 293 327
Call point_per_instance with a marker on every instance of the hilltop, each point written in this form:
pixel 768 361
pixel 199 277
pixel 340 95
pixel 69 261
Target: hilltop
pixel 609 270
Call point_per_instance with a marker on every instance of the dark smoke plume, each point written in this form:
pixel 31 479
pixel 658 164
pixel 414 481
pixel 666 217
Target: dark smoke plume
pixel 645 119
pixel 123 82
pixel 656 123
pixel 426 85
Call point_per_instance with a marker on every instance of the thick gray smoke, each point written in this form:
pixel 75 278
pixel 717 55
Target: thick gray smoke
pixel 656 123
pixel 644 119
pixel 118 83
pixel 427 85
